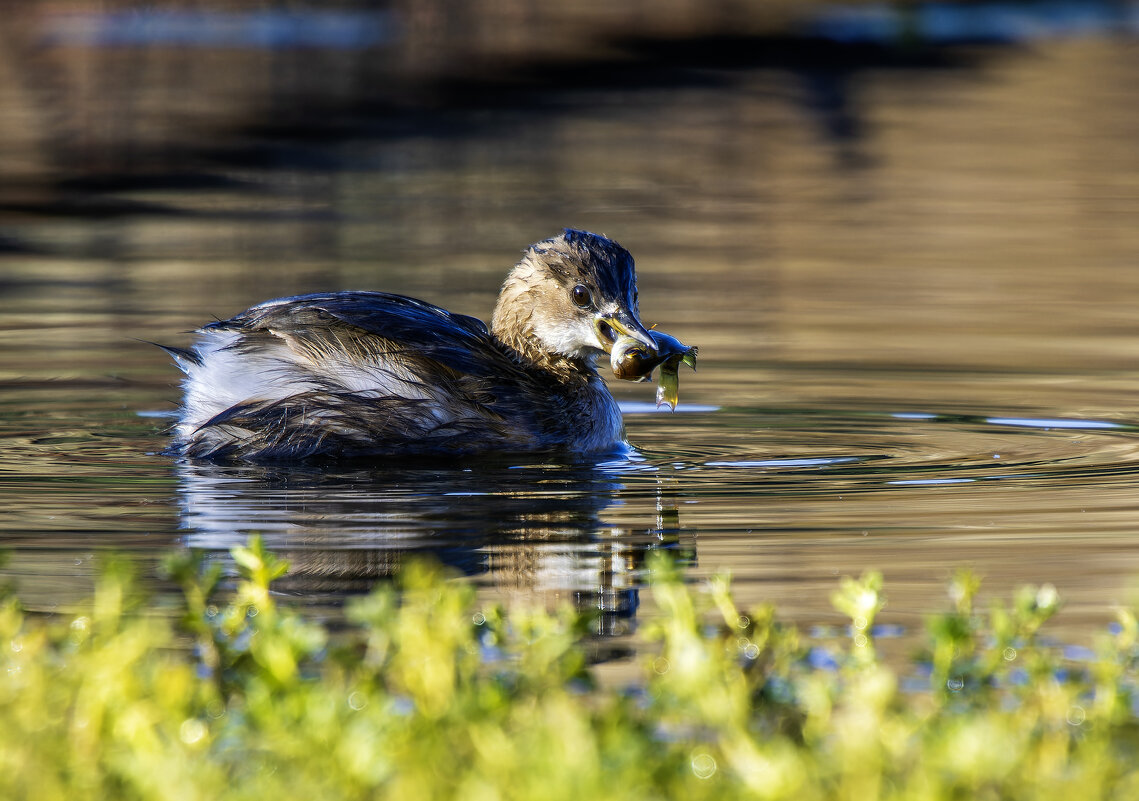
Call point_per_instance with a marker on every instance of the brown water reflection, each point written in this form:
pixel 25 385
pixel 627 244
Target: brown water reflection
pixel 895 268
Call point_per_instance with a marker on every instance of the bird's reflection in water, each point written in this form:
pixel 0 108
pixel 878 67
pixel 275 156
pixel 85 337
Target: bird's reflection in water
pixel 535 532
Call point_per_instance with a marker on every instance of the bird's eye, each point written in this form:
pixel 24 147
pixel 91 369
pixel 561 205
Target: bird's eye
pixel 581 296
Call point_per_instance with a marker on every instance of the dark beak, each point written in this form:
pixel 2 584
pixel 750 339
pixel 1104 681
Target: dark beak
pixel 622 323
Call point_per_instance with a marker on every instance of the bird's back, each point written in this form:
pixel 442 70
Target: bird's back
pixel 356 374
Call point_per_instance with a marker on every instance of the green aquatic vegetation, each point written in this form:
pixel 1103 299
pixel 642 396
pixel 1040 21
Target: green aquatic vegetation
pixel 421 694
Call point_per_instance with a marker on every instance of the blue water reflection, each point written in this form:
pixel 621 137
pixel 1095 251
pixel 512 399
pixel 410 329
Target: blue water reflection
pixel 270 28
pixel 948 23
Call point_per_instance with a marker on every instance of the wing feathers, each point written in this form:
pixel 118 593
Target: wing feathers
pixel 351 374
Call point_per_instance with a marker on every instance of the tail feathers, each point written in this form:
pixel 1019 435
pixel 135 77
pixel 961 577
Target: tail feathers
pixel 185 359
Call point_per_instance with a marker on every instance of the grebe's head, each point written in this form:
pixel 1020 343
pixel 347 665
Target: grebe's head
pixel 571 296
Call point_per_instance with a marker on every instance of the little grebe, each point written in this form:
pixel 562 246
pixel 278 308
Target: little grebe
pixel 358 374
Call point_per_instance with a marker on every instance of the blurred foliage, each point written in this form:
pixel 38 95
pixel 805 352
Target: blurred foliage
pixel 422 695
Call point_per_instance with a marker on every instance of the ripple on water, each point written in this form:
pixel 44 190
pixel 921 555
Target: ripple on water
pixel 783 496
pixel 901 449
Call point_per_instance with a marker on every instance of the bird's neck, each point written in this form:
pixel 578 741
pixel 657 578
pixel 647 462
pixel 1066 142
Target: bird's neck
pixel 527 350
pixel 513 326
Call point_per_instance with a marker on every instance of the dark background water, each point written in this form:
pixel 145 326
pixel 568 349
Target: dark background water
pixel 903 236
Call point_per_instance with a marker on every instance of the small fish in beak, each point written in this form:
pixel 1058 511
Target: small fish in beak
pixel 632 361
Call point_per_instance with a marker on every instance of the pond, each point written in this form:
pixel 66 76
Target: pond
pixel 912 278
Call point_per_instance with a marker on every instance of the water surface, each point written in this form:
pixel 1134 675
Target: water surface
pixel 913 283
